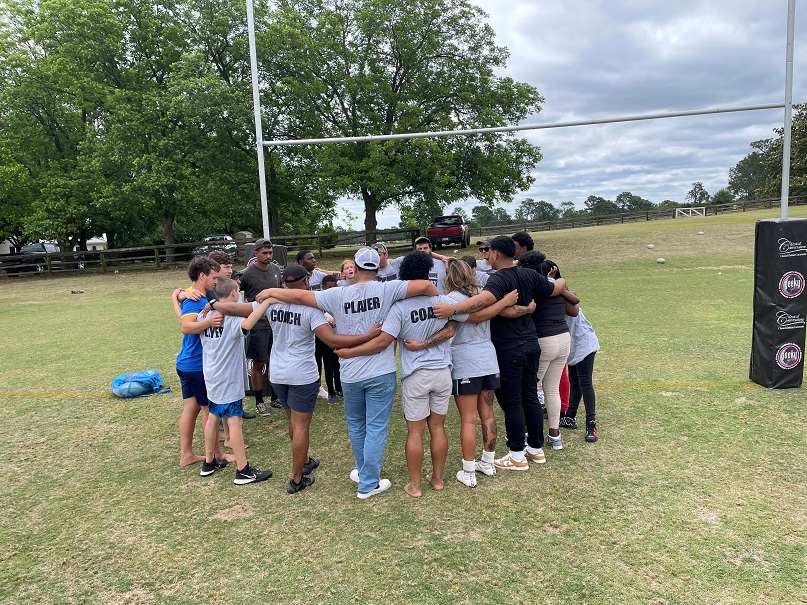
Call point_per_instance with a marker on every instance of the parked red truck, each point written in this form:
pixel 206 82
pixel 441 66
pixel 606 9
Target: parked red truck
pixel 449 230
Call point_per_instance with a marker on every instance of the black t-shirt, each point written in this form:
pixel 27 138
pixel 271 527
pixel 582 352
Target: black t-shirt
pixel 531 285
pixel 550 316
pixel 254 280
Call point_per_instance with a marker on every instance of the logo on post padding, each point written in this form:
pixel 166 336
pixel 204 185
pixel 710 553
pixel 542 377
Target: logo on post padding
pixel 788 356
pixel 791 285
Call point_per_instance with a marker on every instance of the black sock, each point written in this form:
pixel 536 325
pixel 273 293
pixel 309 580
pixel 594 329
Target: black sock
pixel 258 397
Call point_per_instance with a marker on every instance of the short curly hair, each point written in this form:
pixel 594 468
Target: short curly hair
pixel 522 238
pixel 221 257
pixel 415 265
pixel 532 259
pixel 201 264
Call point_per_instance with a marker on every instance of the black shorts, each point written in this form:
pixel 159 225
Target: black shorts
pixel 474 386
pixel 298 397
pixel 193 385
pixel 259 344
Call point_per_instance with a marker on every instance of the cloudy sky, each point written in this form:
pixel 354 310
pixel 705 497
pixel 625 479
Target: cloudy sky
pixel 595 59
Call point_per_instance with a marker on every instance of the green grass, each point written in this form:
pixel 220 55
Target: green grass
pixel 694 493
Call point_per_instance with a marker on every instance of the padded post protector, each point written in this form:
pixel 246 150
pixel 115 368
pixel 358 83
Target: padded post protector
pixel 780 303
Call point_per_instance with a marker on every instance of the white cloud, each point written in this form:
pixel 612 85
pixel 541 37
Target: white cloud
pixel 593 59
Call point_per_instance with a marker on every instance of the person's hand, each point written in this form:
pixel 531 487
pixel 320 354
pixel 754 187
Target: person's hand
pixel 414 345
pixel 206 310
pixel 330 319
pixel 375 330
pixel 262 295
pixel 175 294
pixel 511 298
pixel 191 295
pixel 531 306
pixel 343 353
pixel 552 272
pixel 214 321
pixel 443 310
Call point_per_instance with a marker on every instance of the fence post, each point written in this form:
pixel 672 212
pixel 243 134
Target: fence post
pixel 157 257
pixel 319 244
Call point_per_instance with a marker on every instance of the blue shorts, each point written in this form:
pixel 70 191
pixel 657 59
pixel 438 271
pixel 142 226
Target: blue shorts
pixel 298 397
pixel 193 385
pixel 226 410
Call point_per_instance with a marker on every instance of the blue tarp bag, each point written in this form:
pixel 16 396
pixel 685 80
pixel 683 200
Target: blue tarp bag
pixel 139 384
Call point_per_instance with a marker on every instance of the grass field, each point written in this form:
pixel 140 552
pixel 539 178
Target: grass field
pixel 694 493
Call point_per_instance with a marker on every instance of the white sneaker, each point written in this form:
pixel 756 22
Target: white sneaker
pixel 511 464
pixel 486 468
pixel 468 479
pixel 383 485
pixel 555 442
pixel 323 394
pixel 354 475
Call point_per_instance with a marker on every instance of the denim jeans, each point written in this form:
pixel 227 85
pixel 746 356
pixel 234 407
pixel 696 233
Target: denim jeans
pixel 368 406
pixel 518 395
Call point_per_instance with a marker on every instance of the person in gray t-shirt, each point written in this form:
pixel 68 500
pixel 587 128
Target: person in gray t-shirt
pixel 368 382
pixel 425 373
pixel 475 371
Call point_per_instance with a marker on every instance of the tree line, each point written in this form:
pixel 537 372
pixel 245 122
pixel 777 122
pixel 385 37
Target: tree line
pixel 135 119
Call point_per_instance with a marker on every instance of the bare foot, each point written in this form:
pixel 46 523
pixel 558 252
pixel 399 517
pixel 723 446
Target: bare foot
pixel 438 485
pixel 192 460
pixel 227 444
pixel 228 457
pixel 413 491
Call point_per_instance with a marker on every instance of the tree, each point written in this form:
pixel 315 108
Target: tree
pixel 628 202
pixel 599 205
pixel 724 196
pixel 458 210
pixel 531 211
pixel 747 179
pixel 771 150
pixel 697 196
pixel 568 210
pixel 483 215
pixel 359 67
pixel 501 216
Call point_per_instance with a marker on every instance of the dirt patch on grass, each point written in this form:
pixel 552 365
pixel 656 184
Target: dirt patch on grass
pixel 743 400
pixel 239 511
pixel 670 394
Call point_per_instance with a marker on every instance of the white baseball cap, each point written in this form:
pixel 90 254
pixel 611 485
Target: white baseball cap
pixel 367 258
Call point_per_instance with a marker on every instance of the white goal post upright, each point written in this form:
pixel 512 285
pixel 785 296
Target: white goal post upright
pixel 788 127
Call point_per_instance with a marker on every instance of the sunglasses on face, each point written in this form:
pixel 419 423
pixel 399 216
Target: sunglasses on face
pixel 485 249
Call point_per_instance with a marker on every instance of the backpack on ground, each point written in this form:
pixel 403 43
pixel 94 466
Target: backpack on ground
pixel 139 384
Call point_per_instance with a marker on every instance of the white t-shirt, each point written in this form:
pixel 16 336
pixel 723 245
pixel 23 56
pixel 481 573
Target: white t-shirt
pixel 223 361
pixel 356 310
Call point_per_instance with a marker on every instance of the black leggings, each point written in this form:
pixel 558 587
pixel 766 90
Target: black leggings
pixel 581 381
pixel 330 362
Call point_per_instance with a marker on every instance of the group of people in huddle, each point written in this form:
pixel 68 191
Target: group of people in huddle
pixel 463 327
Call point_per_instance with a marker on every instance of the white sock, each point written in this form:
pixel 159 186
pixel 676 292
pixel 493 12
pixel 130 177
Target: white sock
pixel 469 466
pixel 517 456
pixel 532 450
pixel 488 456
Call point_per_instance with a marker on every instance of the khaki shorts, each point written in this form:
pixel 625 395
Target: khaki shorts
pixel 424 392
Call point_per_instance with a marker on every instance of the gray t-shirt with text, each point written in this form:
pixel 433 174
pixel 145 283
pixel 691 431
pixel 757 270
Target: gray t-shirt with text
pixel 414 319
pixel 292 360
pixel 223 360
pixel 356 310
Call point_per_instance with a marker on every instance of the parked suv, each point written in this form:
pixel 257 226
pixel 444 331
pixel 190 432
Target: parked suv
pixel 217 242
pixel 33 258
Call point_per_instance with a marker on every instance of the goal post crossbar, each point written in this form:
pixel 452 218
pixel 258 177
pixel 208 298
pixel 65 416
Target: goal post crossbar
pixel 497 129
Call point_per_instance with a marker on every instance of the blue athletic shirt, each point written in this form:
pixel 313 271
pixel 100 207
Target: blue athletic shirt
pixel 189 358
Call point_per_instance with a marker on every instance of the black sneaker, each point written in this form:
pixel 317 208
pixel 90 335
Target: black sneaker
pixel 591 432
pixel 305 481
pixel 248 416
pixel 309 466
pixel 567 422
pixel 261 409
pixel 275 404
pixel 250 474
pixel 339 394
pixel 208 468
